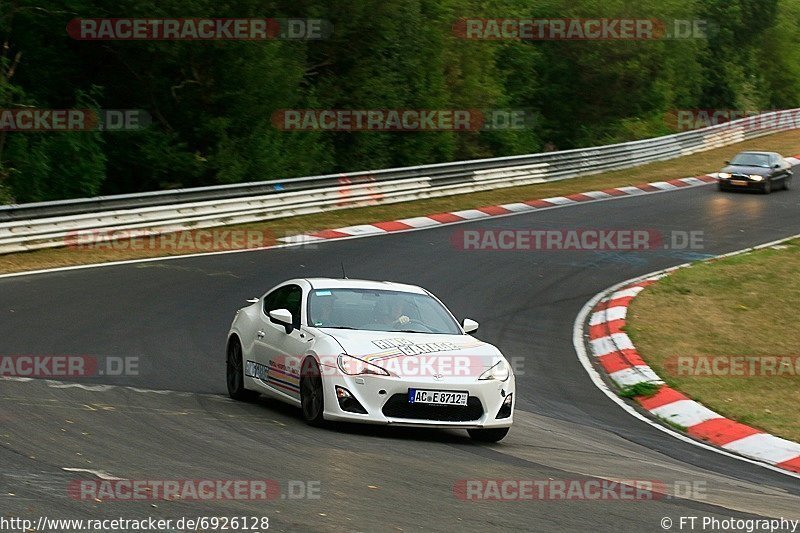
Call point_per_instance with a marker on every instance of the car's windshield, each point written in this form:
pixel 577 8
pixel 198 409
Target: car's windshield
pixel 751 160
pixel 379 310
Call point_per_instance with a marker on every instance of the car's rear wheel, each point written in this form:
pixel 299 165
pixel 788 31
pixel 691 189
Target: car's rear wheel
pixel 234 373
pixel 312 397
pixel 488 435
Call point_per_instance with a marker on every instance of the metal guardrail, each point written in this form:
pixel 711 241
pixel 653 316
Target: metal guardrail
pixel 51 224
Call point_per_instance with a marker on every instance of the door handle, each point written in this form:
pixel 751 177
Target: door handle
pixel 260 334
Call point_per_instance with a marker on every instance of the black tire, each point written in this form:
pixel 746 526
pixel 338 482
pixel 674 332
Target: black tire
pixel 488 435
pixel 767 187
pixel 312 397
pixel 234 374
pixel 720 186
pixel 786 182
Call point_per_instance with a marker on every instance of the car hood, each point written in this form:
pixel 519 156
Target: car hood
pixel 407 353
pixel 740 169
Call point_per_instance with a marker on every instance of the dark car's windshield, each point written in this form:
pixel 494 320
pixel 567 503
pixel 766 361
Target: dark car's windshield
pixel 751 160
pixel 379 310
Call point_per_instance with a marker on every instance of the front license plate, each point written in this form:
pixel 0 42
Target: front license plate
pixel 437 397
pixel 739 182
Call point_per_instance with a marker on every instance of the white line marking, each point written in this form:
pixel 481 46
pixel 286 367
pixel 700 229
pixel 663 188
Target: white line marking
pixel 635 374
pixel 560 200
pixel 419 222
pixel 612 343
pixel 664 186
pixel 686 413
pixel 766 447
pixel 607 315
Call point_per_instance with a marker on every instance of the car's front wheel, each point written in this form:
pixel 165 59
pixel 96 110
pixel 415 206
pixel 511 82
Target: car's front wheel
pixel 234 373
pixel 312 397
pixel 767 187
pixel 488 435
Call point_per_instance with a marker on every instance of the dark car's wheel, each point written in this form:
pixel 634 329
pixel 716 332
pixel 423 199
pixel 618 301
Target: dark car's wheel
pixel 488 435
pixel 312 398
pixel 767 187
pixel 787 181
pixel 234 373
pixel 720 186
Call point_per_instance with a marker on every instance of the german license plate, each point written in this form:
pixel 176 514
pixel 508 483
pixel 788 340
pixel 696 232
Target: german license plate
pixel 739 182
pixel 437 397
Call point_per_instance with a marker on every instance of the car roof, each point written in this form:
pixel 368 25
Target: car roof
pixel 333 283
pixel 758 153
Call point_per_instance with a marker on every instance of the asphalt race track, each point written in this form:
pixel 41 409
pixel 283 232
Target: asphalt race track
pixel 174 315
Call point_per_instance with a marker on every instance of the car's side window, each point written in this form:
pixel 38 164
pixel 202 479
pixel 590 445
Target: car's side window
pixel 288 297
pixel 294 298
pixel 276 299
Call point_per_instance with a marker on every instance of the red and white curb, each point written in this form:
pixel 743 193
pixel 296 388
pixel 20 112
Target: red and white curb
pixel 456 217
pixel 613 350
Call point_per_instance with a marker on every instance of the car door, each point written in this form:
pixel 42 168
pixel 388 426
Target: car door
pixel 782 170
pixel 277 352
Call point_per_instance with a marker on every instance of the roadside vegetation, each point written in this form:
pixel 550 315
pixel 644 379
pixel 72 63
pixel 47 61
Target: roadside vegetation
pixel 211 102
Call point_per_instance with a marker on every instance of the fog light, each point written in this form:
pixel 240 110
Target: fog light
pixel 348 402
pixel 505 409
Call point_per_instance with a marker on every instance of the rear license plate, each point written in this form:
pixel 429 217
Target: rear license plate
pixel 739 182
pixel 437 397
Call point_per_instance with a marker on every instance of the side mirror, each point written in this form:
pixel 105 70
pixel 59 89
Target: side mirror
pixel 282 317
pixel 727 162
pixel 776 165
pixel 470 326
pixel 253 300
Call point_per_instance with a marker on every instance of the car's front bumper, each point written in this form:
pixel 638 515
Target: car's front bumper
pixel 741 183
pixel 386 401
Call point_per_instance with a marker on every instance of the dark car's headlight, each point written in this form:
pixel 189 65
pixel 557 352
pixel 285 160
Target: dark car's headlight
pixel 756 177
pixel 724 175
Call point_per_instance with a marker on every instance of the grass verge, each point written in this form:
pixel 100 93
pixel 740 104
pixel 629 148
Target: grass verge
pixel 744 305
pixel 787 143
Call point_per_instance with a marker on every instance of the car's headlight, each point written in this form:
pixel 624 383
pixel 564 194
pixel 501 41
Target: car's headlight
pixel 756 177
pixel 724 175
pixel 353 366
pixel 500 372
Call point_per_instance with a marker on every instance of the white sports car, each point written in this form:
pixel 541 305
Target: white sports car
pixel 371 352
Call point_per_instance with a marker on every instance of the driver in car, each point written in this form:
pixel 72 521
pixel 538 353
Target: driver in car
pixel 391 313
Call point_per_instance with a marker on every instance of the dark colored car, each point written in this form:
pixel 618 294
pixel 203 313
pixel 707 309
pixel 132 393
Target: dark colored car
pixel 764 171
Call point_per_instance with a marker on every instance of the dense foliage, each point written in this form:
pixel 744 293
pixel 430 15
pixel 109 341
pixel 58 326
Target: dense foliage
pixel 211 102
